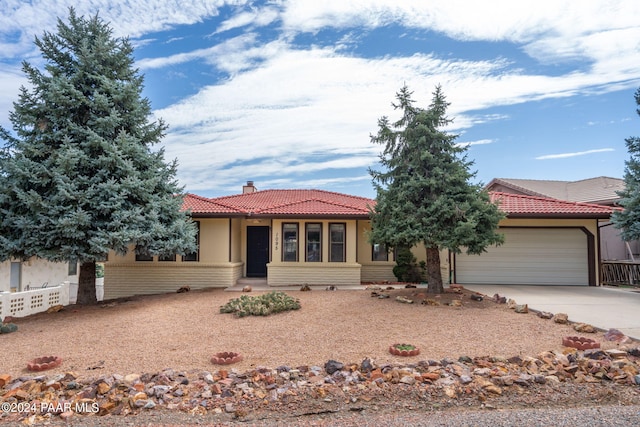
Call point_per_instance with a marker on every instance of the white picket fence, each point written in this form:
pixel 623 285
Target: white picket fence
pixel 25 303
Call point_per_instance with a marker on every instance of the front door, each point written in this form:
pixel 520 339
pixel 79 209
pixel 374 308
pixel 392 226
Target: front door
pixel 257 251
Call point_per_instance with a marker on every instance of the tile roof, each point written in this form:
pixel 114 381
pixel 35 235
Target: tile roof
pixel 202 205
pixel 518 205
pixel 601 190
pixel 292 203
pixel 320 203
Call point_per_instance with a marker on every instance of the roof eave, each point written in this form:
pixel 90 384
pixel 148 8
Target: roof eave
pixel 560 215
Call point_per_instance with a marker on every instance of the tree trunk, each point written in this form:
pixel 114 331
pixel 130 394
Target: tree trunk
pixel 434 276
pixel 87 283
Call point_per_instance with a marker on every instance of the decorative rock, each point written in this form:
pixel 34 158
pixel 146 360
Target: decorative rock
pixel 561 318
pixel 366 365
pixel 247 289
pixel 521 308
pixel 545 315
pixel 407 379
pixel 499 300
pixel 637 379
pixel 305 288
pixel 333 366
pixel 511 303
pixel 616 335
pixel 404 300
pixel 476 297
pixel 455 303
pixel 584 328
pixel 4 380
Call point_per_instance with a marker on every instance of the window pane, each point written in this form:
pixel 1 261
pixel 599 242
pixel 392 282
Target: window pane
pixel 290 242
pixel 314 246
pixel 337 247
pixel 194 256
pixel 143 257
pixel 380 253
pixel 167 258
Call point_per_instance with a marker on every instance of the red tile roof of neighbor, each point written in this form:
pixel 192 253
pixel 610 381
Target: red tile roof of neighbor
pixel 534 206
pixel 319 203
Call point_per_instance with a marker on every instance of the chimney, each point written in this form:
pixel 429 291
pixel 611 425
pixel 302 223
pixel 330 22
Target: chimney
pixel 249 188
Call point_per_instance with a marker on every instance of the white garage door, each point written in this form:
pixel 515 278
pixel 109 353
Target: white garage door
pixel 529 256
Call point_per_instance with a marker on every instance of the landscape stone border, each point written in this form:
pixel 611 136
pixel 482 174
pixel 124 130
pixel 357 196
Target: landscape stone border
pixel 226 358
pixel 43 363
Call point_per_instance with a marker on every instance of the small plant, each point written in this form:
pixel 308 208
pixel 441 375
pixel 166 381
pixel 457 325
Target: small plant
pixel 6 327
pixel 407 347
pixel 404 350
pixel 262 305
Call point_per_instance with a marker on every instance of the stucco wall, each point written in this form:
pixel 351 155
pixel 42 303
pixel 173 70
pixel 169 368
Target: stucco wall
pixel 287 274
pixel 36 272
pixel 126 279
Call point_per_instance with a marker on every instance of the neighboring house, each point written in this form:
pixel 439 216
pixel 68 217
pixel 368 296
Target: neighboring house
pixel 547 242
pixel 601 190
pixel 16 275
pixel 315 237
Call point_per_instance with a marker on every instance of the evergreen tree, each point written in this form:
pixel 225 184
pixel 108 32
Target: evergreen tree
pixel 628 220
pixel 424 194
pixel 78 177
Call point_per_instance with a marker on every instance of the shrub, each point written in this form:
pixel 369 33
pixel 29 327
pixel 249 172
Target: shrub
pixel 262 305
pixel 406 268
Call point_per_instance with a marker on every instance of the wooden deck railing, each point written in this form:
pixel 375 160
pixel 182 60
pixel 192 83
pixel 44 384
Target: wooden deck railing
pixel 620 273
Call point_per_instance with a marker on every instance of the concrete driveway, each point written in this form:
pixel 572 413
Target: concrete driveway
pixel 602 307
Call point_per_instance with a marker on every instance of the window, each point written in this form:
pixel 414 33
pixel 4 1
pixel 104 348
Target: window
pixel 73 268
pixel 314 242
pixel 193 256
pixel 337 243
pixel 290 242
pixel 379 252
pixel 167 258
pixel 143 256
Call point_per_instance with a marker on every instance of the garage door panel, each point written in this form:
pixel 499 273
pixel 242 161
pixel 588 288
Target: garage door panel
pixel 529 256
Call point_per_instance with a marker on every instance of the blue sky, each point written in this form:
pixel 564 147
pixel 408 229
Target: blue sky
pixel 287 93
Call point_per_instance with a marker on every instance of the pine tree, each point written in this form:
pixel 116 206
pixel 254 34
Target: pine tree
pixel 78 177
pixel 628 220
pixel 424 194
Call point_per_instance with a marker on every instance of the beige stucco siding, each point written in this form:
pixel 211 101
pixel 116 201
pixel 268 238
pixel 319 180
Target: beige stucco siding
pixel 215 238
pixel 284 274
pixel 126 279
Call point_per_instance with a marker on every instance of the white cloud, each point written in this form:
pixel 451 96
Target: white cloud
pixel 575 154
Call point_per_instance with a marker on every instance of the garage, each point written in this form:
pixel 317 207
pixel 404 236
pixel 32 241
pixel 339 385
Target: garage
pixel 532 256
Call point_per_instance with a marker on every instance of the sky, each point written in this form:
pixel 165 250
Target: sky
pixel 288 93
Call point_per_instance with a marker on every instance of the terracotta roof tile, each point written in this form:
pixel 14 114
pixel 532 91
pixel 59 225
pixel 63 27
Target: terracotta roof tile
pixel 202 205
pixel 521 205
pixel 298 202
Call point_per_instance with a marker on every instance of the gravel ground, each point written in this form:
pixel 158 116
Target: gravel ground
pixel 181 331
pixel 601 416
